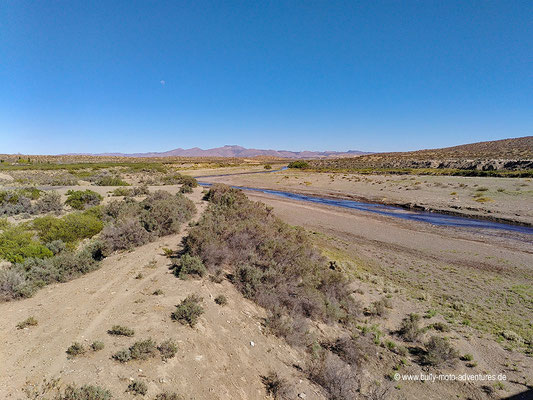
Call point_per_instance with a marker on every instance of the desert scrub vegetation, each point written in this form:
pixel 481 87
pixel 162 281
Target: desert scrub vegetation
pixel 298 165
pixel 272 263
pixel 132 223
pixel 410 328
pixel 111 180
pixel 30 321
pixel 28 201
pixel 97 345
pixel 439 351
pixel 85 392
pixel 119 330
pixel 76 349
pixel 145 349
pixel 81 199
pixel 221 300
pixel 70 229
pixel 277 387
pixel 189 265
pixel 189 310
pixel 18 244
pixel 138 387
pixel 23 278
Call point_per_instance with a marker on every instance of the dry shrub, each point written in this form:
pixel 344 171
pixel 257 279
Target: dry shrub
pixel 277 387
pixel 48 202
pixel 338 378
pixel 439 351
pixel 189 310
pixel 85 392
pixel 410 328
pixel 124 235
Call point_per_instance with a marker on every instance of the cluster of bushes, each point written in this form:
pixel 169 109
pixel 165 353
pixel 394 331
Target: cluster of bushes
pixel 135 223
pixel 145 349
pixel 82 199
pixel 131 192
pixel 48 178
pixel 71 228
pixel 272 263
pixel 111 180
pixel 28 201
pixel 24 278
pixel 298 164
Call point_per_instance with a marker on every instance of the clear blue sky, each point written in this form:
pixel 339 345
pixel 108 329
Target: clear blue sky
pixel 87 76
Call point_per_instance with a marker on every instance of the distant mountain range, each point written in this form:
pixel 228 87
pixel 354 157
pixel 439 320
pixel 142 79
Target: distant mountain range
pixel 238 151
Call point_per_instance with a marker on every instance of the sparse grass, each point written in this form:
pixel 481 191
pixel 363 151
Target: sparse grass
pixel 188 311
pixel 30 321
pixel 119 330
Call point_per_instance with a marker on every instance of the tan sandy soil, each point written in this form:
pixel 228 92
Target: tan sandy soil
pixel 506 198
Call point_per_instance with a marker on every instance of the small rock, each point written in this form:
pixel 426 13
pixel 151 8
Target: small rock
pixel 252 344
pixel 302 395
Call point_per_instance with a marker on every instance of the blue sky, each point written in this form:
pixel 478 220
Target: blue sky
pixel 132 76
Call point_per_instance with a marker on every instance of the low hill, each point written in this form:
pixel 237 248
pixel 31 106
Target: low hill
pixel 507 154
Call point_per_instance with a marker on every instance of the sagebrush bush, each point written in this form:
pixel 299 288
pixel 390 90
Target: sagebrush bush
pixel 79 199
pixel 273 263
pixel 85 392
pixel 221 300
pixel 410 328
pixel 30 321
pixel 119 330
pixel 138 387
pixel 124 235
pixel 439 351
pixel 348 349
pixel 13 202
pixel 12 285
pixel 122 356
pixel 189 265
pixel 168 396
pixel 48 202
pixel 338 378
pixel 143 349
pixel 277 387
pixel 76 349
pixel 188 311
pixel 163 213
pixel 168 349
pixel 97 345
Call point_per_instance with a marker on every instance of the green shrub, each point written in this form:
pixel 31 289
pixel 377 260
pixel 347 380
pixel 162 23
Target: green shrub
pixel 109 180
pixel 299 164
pixel 168 349
pixel 121 191
pixel 138 387
pixel 76 349
pixel 85 392
pixel 189 310
pixel 119 330
pixel 186 189
pixel 30 321
pixel 17 244
pixel 79 199
pixel 122 356
pixel 267 166
pixel 143 349
pixel 189 265
pixel 70 229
